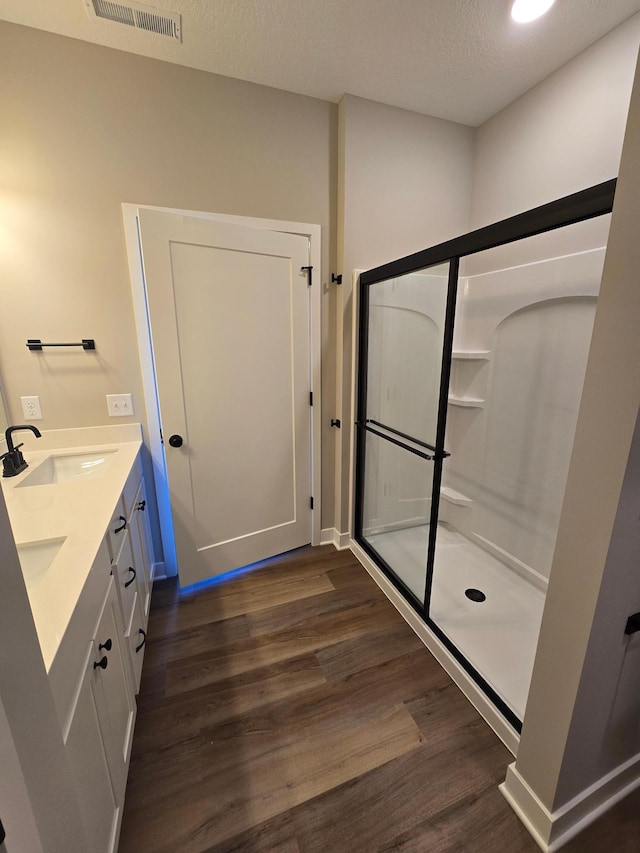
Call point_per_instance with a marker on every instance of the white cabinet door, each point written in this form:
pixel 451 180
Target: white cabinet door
pixel 125 571
pixel 114 699
pixel 136 638
pixel 141 538
pixel 86 750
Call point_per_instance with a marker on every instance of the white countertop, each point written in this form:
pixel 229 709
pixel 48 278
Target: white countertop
pixel 78 511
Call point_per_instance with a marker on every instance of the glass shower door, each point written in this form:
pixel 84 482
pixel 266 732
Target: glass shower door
pixel 406 327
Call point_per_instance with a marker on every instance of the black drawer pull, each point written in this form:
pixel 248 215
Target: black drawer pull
pixel 122 526
pixel 101 663
pixel 107 646
pixel 133 577
pixel 144 639
pixel 141 505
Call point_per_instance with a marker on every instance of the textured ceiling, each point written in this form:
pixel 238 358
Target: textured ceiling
pixel 462 60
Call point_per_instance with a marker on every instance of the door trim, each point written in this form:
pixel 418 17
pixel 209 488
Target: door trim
pixel 313 233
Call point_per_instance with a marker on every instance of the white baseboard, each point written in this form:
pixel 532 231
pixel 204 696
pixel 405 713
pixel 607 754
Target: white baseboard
pixel 481 703
pixel 331 536
pixel 552 830
pixel 158 572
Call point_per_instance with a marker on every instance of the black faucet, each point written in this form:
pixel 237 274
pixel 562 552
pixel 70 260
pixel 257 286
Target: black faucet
pixel 13 462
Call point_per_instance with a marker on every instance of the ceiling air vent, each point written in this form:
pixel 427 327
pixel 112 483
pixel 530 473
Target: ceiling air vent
pixel 136 15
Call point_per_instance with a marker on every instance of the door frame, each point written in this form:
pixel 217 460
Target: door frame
pixel 140 309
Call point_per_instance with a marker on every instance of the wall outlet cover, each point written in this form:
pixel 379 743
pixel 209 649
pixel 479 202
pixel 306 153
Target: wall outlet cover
pixel 31 408
pixel 120 405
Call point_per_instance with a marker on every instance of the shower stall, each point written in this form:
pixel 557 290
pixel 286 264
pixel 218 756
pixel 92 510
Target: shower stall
pixel 471 361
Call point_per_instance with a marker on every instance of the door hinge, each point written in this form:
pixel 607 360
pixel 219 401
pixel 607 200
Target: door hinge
pixel 311 398
pixel 311 502
pixel 161 437
pixel 336 279
pixel 309 274
pixel 335 422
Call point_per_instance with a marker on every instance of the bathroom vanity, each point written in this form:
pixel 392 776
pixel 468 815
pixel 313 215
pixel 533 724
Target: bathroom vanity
pixel 79 519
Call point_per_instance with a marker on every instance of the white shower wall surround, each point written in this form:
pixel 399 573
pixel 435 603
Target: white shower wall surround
pixel 520 349
pixel 510 456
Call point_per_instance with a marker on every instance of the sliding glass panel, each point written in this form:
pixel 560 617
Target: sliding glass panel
pixel 523 328
pixel 405 337
pixel 404 322
pixel 396 509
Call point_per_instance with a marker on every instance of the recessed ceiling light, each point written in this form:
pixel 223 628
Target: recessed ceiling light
pixel 524 11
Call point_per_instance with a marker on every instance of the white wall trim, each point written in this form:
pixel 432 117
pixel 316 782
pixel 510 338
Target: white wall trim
pixel 332 536
pixel 158 571
pixel 313 232
pixel 481 703
pixel 552 830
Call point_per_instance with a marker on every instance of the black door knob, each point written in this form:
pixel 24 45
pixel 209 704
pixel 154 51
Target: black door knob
pixel 175 441
pixel 102 663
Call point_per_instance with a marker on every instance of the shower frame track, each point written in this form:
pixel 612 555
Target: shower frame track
pixel 569 210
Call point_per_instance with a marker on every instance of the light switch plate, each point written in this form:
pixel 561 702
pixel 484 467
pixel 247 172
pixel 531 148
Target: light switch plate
pixel 120 405
pixel 31 408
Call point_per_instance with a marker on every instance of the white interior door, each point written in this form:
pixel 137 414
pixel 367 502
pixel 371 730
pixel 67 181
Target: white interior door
pixel 229 317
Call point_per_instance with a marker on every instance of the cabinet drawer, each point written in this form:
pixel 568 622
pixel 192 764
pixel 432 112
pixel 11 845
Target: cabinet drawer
pixel 136 637
pixel 126 573
pixel 131 487
pixel 116 531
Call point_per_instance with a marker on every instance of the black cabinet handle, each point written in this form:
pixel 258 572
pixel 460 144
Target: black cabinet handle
pixel 103 664
pixel 144 639
pixel 175 441
pixel 133 577
pixel 122 526
pixel 107 646
pixel 141 505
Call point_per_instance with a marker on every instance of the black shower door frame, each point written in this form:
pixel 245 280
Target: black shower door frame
pixel 578 207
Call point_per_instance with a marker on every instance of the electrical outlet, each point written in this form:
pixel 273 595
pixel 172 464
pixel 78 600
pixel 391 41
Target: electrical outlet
pixel 31 408
pixel 120 405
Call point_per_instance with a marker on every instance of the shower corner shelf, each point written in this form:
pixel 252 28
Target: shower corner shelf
pixel 455 497
pixel 466 402
pixel 471 355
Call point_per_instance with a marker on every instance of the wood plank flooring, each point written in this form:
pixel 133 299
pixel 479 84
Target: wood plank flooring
pixel 291 709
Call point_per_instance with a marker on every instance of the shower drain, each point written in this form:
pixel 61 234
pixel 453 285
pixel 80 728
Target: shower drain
pixel 475 594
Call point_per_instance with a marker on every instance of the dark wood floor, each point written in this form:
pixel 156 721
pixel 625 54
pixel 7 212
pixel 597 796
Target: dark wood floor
pixel 291 709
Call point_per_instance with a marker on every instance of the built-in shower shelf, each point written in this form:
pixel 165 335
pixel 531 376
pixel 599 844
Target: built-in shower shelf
pixel 466 402
pixel 471 355
pixel 454 497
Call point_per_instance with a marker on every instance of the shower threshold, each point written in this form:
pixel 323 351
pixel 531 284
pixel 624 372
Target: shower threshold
pixel 498 635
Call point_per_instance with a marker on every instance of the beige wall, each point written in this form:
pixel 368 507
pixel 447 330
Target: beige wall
pixel 85 128
pixel 583 711
pixel 562 136
pixel 405 183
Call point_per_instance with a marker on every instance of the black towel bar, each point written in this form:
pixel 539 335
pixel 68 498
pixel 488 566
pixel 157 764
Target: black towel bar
pixel 35 344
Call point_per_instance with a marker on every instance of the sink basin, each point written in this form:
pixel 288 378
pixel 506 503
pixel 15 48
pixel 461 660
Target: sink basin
pixel 36 557
pixel 61 467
